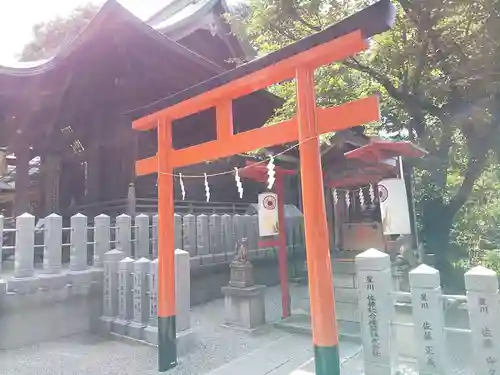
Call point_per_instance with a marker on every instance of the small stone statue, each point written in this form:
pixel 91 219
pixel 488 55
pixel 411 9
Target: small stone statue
pixel 242 252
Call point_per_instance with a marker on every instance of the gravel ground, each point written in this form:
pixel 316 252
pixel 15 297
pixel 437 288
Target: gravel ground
pixel 84 354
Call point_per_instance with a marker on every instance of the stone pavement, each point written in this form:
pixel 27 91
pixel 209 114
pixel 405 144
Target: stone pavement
pixel 217 350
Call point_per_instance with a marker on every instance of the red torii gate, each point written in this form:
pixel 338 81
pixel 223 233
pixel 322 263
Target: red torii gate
pixel 258 172
pixel 298 61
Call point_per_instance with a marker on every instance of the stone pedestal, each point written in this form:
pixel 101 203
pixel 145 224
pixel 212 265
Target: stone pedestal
pixel 244 301
pixel 244 307
pixel 241 275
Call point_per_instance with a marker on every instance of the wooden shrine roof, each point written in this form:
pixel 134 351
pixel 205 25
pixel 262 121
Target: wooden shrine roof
pixel 118 63
pixel 372 20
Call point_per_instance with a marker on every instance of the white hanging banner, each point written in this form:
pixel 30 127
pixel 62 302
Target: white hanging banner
pixel 394 206
pixel 268 215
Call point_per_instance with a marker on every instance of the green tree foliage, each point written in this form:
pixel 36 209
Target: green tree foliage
pixel 49 36
pixel 437 73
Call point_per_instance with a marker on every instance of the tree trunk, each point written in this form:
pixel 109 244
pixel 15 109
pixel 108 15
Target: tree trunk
pixel 437 223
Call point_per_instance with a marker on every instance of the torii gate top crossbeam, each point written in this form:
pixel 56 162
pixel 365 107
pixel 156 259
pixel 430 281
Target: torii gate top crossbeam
pixel 313 51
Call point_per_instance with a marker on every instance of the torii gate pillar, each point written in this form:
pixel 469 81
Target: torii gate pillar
pixel 324 325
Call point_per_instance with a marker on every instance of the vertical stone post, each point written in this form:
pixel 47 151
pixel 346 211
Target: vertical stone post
pixel 377 310
pixel 78 254
pixel 142 236
pixel 189 233
pixel 203 235
pixel 125 296
pixel 182 290
pixel 250 234
pixel 254 228
pixel 52 253
pixel 1 241
pixel 428 319
pixel 216 246
pixel 102 238
pixel 484 317
pixel 124 234
pixel 141 303
pixel 110 290
pixel 154 236
pixel 151 331
pixel 239 229
pixel 25 246
pixel 228 234
pixel 178 231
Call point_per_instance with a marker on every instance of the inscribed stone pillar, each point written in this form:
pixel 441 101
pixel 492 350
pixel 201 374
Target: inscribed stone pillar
pixel 154 235
pixel 141 303
pixel 110 288
pixel 377 310
pixel 125 296
pixel 182 290
pixel 484 317
pixel 78 253
pixel 227 233
pixel 153 293
pixel 52 253
pixel 203 235
pixel 102 238
pixel 189 234
pixel 151 331
pixel 428 320
pixel 177 231
pixel 142 236
pixel 124 234
pixel 25 246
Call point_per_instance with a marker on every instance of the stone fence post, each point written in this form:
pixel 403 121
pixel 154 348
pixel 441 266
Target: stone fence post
pixel 154 236
pixel 125 297
pixel 177 231
pixel 124 234
pixel 25 246
pixel 182 290
pixel 377 310
pixel 52 254
pixel 215 236
pixel 227 227
pixel 239 229
pixel 110 290
pixel 142 236
pixel 102 238
pixel 78 253
pixel 202 235
pixel 189 233
pixel 484 317
pixel 428 320
pixel 151 331
pixel 141 303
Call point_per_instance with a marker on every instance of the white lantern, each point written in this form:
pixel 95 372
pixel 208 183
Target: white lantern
pixel 394 206
pixel 268 215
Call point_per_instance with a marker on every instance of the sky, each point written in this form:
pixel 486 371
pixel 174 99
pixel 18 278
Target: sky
pixel 17 18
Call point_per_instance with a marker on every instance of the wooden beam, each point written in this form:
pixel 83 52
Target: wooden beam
pixel 334 50
pixel 224 114
pixel 330 119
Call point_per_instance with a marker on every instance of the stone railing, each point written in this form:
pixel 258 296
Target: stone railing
pixel 428 332
pixel 130 297
pixel 207 239
pixel 58 280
